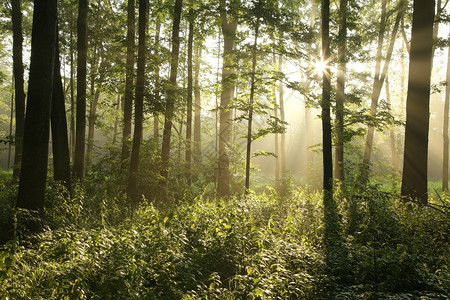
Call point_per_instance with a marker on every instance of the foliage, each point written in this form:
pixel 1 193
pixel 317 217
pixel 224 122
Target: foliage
pixel 259 247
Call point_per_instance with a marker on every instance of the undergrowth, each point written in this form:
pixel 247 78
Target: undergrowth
pixel 93 246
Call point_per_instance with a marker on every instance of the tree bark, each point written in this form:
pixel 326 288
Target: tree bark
pixel 171 94
pixel 340 94
pixel 139 104
pixel 60 140
pixel 72 98
pixel 282 117
pixel 415 164
pixel 326 103
pixel 445 131
pixel 18 84
pixel 33 173
pixel 128 100
pixel 189 102
pixel 392 132
pixel 198 107
pixel 229 27
pixel 81 90
pixel 250 111
pixel 157 85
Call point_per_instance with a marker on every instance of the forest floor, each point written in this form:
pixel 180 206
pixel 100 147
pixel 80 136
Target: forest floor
pixel 264 246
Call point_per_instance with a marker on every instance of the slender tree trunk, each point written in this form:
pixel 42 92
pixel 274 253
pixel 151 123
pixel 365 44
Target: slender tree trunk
pixel 376 91
pixel 392 132
pixel 157 85
pixel 276 135
pixel 250 111
pixel 340 93
pixel 326 104
pixel 116 120
pixel 60 140
pixel 445 131
pixel 216 112
pixel 415 164
pixel 72 98
pixel 33 173
pixel 18 83
pixel 139 104
pixel 189 102
pixel 91 126
pixel 128 99
pixel 81 90
pixel 282 117
pixel 11 120
pixel 171 93
pixel 198 107
pixel 229 27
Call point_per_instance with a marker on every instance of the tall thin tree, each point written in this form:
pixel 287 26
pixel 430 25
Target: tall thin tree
pixel 18 83
pixel 81 89
pixel 415 163
pixel 340 93
pixel 445 127
pixel 33 174
pixel 229 27
pixel 139 103
pixel 189 97
pixel 171 93
pixel 128 99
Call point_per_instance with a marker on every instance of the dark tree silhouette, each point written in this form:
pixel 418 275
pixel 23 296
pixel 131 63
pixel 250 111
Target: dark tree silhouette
pixel 33 173
pixel 415 163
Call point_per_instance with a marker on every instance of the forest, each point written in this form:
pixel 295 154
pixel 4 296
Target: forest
pixel 228 149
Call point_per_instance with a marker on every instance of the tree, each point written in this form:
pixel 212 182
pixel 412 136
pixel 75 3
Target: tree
pixel 81 90
pixel 229 27
pixel 414 179
pixel 251 103
pixel 128 100
pixel 340 93
pixel 445 131
pixel 33 173
pixel 326 104
pixel 60 141
pixel 198 107
pixel 18 83
pixel 171 93
pixel 189 97
pixel 139 103
pixel 376 90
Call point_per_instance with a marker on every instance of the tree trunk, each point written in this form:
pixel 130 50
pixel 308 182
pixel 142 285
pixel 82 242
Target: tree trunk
pixel 11 121
pixel 445 131
pixel 189 102
pixel 376 91
pixel 326 103
pixel 414 180
pixel 81 90
pixel 33 173
pixel 198 108
pixel 116 120
pixel 282 117
pixel 229 27
pixel 18 84
pixel 171 93
pixel 128 99
pixel 72 98
pixel 91 126
pixel 250 111
pixel 391 132
pixel 60 141
pixel 157 85
pixel 340 94
pixel 276 135
pixel 139 104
